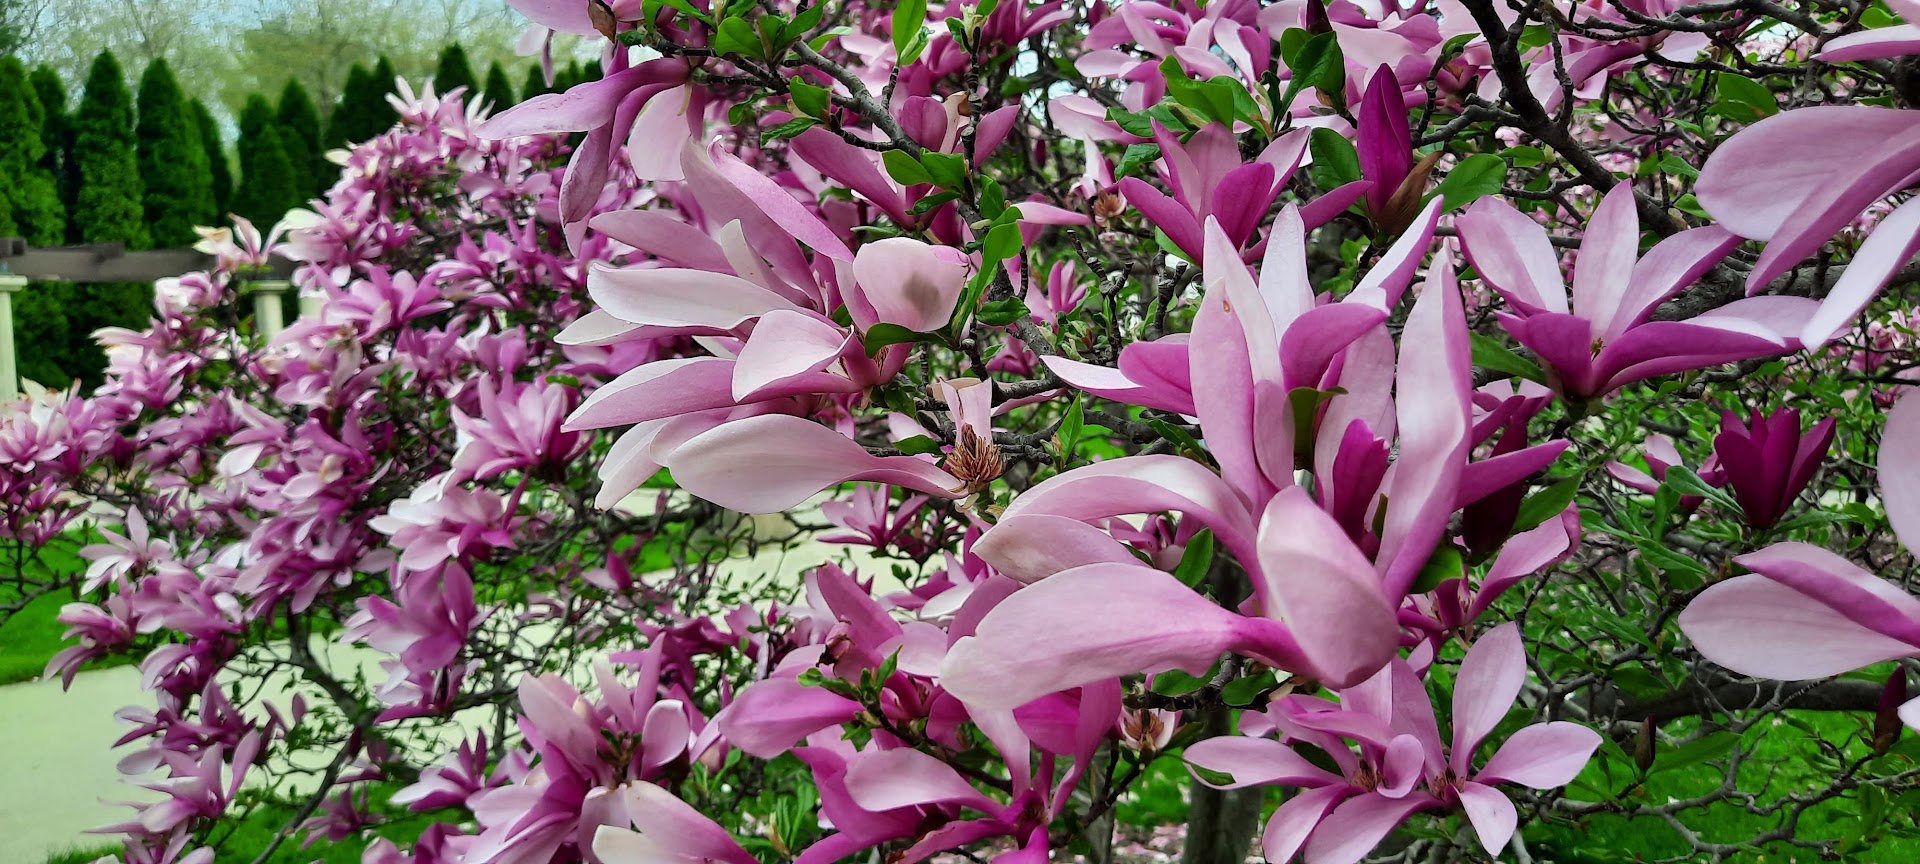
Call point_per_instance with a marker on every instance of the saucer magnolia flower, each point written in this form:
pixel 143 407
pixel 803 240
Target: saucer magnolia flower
pixel 1603 341
pixel 1402 766
pixel 1807 613
pixel 1768 462
pixel 1879 43
pixel 1796 178
pixel 670 832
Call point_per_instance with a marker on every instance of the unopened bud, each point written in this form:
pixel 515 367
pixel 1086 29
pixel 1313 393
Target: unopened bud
pixel 1886 721
pixel 1643 746
pixel 1314 19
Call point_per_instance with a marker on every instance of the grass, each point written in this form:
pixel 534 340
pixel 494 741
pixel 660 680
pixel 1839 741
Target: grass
pixel 30 637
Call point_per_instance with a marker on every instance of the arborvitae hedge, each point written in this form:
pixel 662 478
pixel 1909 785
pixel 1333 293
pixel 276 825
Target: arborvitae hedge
pixel 256 117
pixel 453 71
pixel 57 134
pixel 363 112
pixel 270 188
pixel 536 83
pixel 498 91
pixel 173 162
pixel 219 171
pixel 300 137
pixel 30 191
pixel 340 119
pixel 108 209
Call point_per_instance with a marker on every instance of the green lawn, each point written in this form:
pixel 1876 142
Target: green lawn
pixel 31 637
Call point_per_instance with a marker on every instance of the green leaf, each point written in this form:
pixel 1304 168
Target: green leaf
pixel 1490 354
pixel 993 199
pixel 1174 682
pixel 1137 157
pixel 1675 165
pixel 1335 162
pixel 1210 776
pixel 1317 64
pixel 1657 554
pixel 736 36
pixel 1167 245
pixel 809 99
pixel 788 129
pixel 931 201
pixel 820 41
pixel 1213 99
pixel 1176 434
pixel 1196 560
pixel 1002 242
pixel 681 5
pixel 1002 312
pixel 1241 692
pixel 1445 563
pixel 803 22
pixel 1071 426
pixel 909 20
pixel 917 445
pixel 948 170
pixel 1706 748
pixel 1476 177
pixel 1686 482
pixel 1545 504
pixel 1524 155
pixel 883 334
pixel 1738 97
pixel 1132 122
pixel 905 169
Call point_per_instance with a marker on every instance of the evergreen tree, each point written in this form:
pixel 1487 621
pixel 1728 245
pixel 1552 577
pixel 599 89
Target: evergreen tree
pixel 566 76
pixel 219 171
pixel 498 91
pixel 256 117
pixel 30 193
pixel 8 228
pixel 536 83
pixel 56 132
pixel 300 137
pixel 108 208
pixel 453 71
pixel 269 189
pixel 173 161
pixel 340 121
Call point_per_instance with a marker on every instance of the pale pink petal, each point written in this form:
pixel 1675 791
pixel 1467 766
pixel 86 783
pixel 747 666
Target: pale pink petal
pixel 786 345
pixel 881 780
pixel 672 297
pixel 1604 271
pixel 1028 548
pixel 1256 762
pixel 1513 256
pixel 1542 756
pixel 1891 245
pixel 907 282
pixel 1346 835
pixel 1756 626
pixel 1490 679
pixel 1490 811
pixel 1317 582
pixel 1293 823
pixel 1900 468
pixel 773 462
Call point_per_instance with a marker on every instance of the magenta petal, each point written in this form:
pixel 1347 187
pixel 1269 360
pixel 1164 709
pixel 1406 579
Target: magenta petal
pixel 1293 823
pixel 1513 256
pixel 1488 476
pixel 1144 484
pixel 1891 245
pixel 680 829
pixel 1490 679
pixel 1040 640
pixel 670 297
pixel 1796 178
pixel 1881 43
pixel 1032 547
pixel 991 130
pixel 663 236
pixel 565 16
pixel 1313 340
pixel 1668 267
pixel 1542 756
pixel 785 346
pixel 1604 271
pixel 1870 601
pixel 665 734
pixel 773 462
pixel 1164 213
pixel 881 780
pixel 1491 813
pixel 657 390
pixel 1756 626
pixel 1351 831
pixel 1256 762
pixel 581 108
pixel 1321 210
pixel 1316 581
pixel 909 283
pixel 1116 385
pixel 769 717
pixel 1433 402
pixel 780 205
pixel 1384 285
pixel 1525 554
pixel 1900 468
pixel 1241 200
pixel 853 167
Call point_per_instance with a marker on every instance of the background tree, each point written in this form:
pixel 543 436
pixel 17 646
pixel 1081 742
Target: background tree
pixel 299 126
pixel 256 117
pixel 219 171
pixel 453 70
pixel 108 207
pixel 173 160
pixel 498 91
pixel 362 111
pixel 32 195
pixel 271 187
pixel 535 84
pixel 57 134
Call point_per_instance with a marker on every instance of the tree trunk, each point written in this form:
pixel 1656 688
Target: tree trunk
pixel 1220 823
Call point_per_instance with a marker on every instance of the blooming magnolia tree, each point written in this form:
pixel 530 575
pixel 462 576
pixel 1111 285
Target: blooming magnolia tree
pixel 1185 391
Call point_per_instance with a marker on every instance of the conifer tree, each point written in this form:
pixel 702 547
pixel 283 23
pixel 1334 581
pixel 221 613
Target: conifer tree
pixel 219 171
pixel 269 189
pixel 56 132
pixel 498 91
pixel 30 192
pixel 535 85
pixel 256 117
pixel 340 132
pixel 173 162
pixel 453 71
pixel 108 206
pixel 300 137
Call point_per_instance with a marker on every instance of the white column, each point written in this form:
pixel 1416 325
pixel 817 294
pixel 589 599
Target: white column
pixel 311 304
pixel 268 316
pixel 9 371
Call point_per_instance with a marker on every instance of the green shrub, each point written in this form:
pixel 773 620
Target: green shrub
pixel 173 162
pixel 108 206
